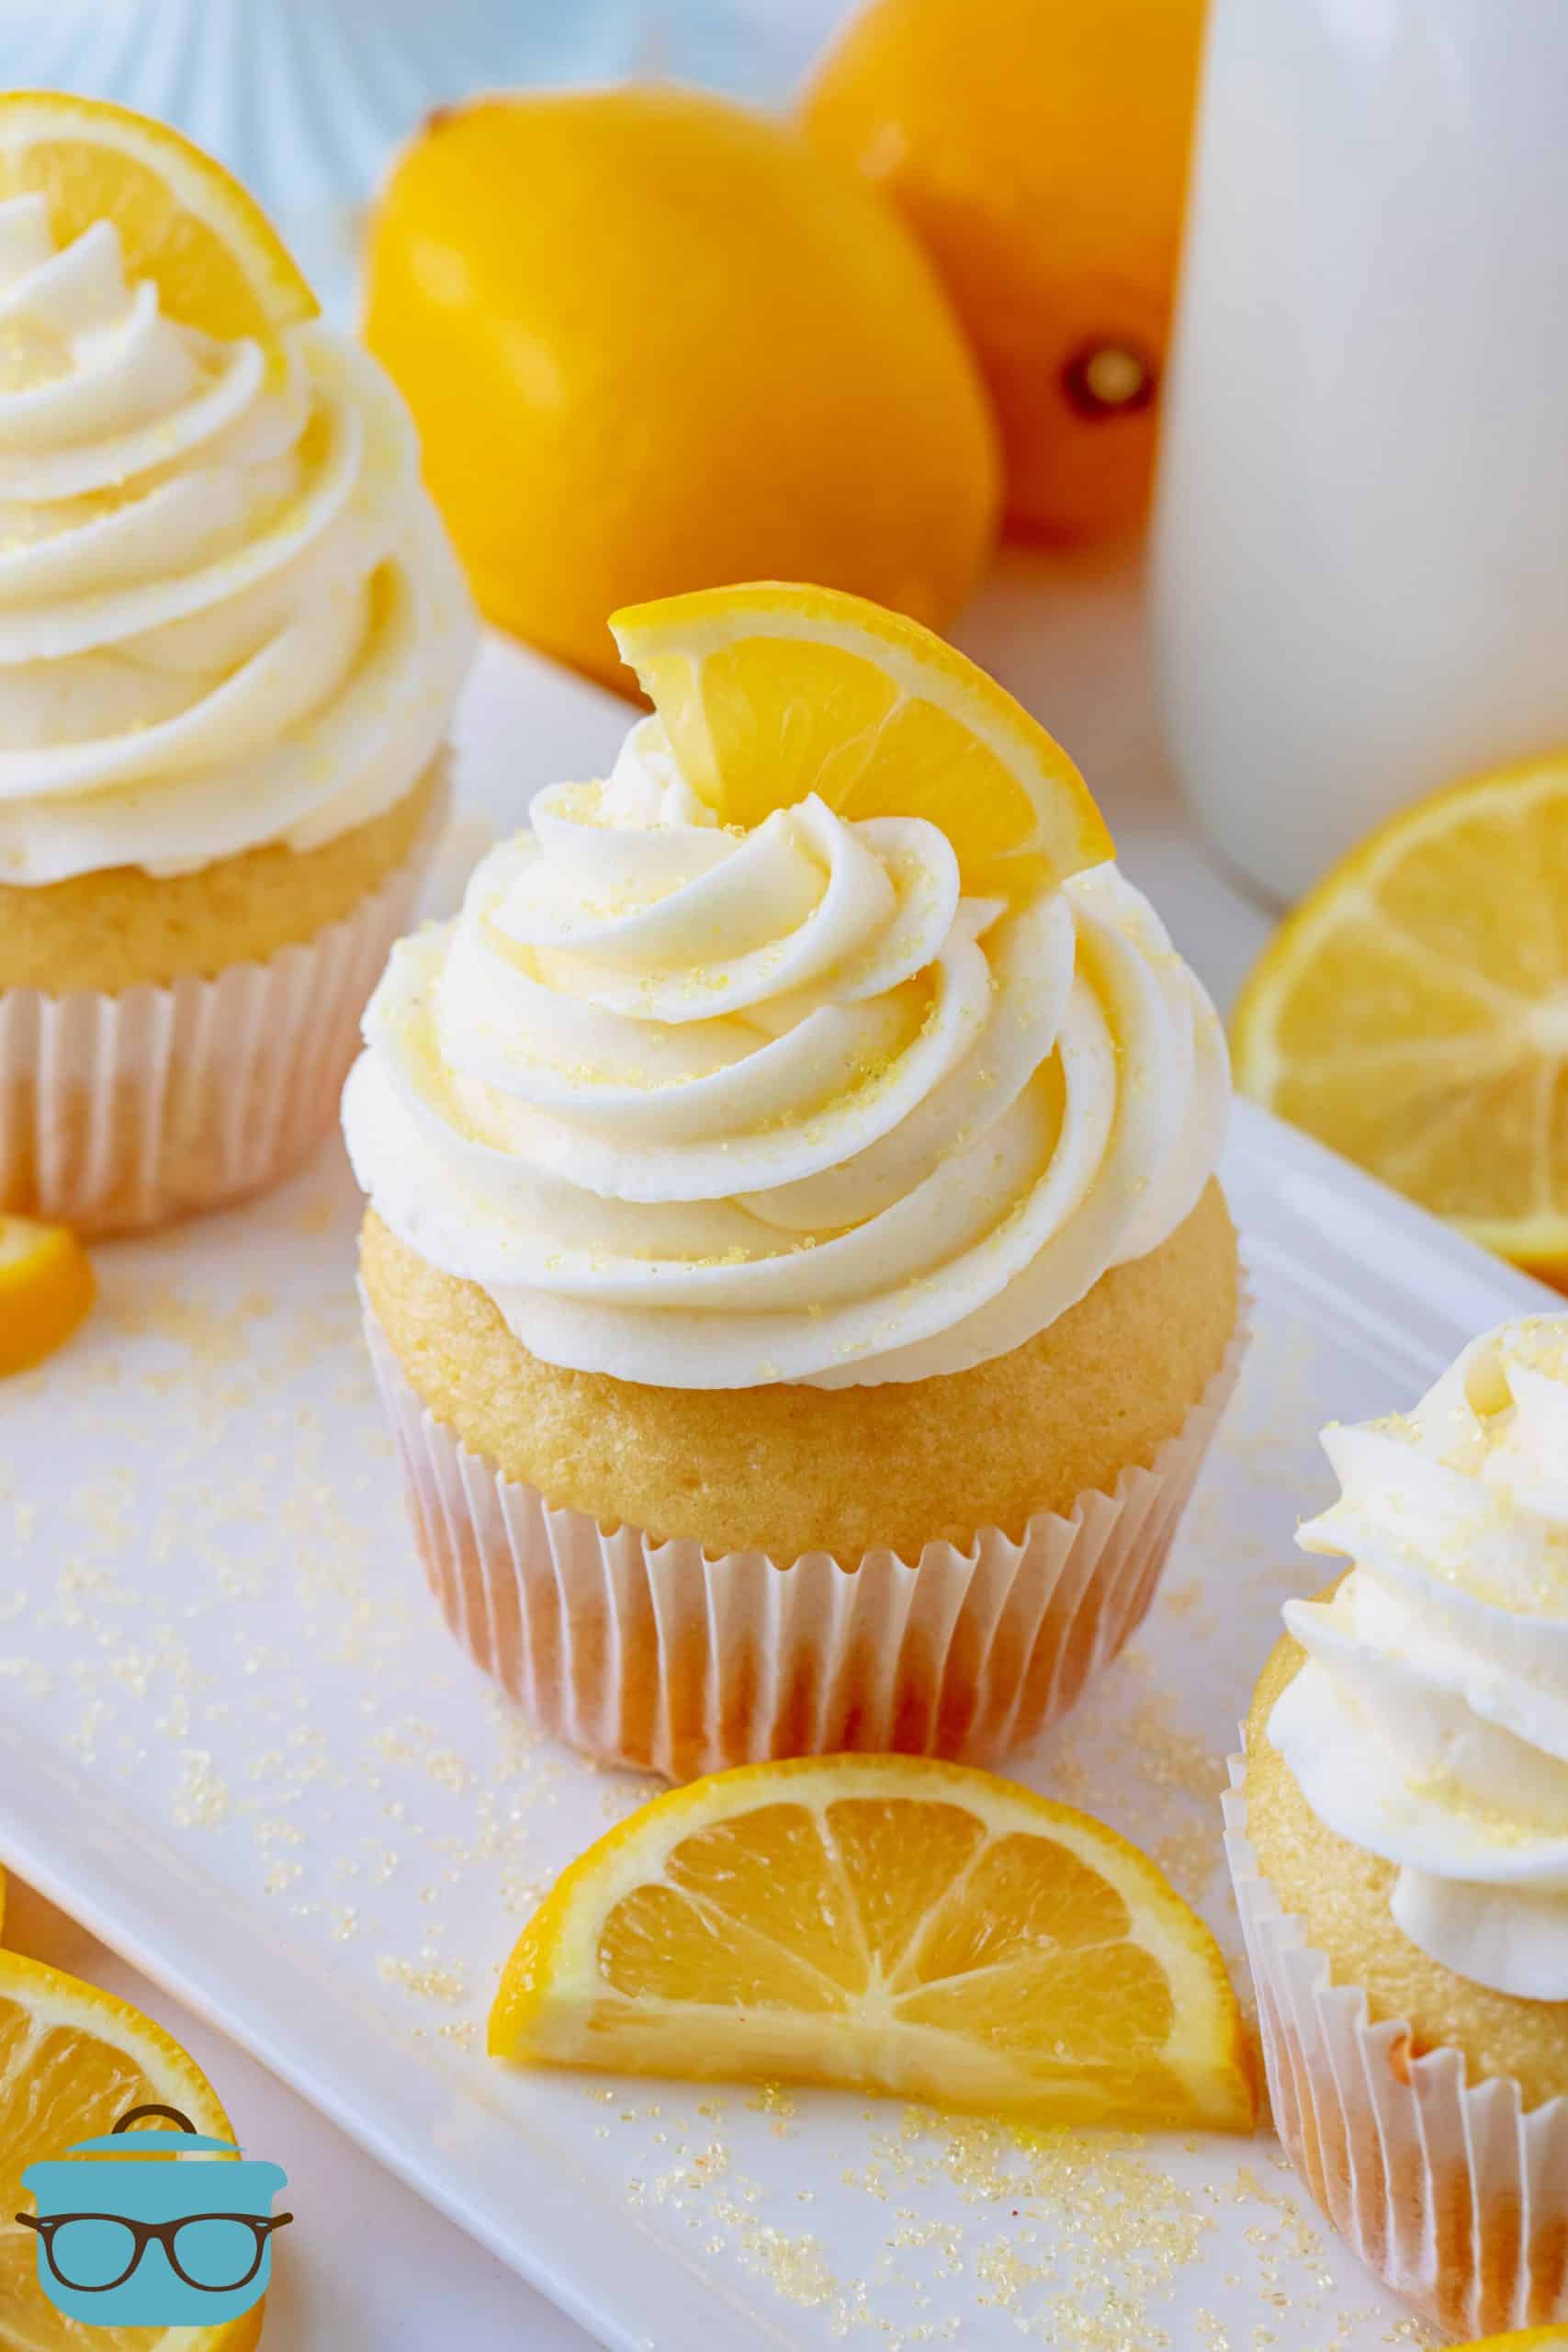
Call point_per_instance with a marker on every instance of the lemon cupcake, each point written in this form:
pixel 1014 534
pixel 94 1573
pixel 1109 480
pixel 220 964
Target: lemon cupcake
pixel 1399 1838
pixel 793 1260
pixel 232 633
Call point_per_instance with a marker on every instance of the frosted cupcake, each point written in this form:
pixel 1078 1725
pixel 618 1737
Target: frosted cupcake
pixel 231 632
pixel 1400 1844
pixel 800 1287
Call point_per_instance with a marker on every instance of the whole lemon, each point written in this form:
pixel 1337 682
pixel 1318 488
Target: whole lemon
pixel 1038 148
pixel 654 342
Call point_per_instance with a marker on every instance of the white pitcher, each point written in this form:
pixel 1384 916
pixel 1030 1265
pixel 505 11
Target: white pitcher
pixel 1362 536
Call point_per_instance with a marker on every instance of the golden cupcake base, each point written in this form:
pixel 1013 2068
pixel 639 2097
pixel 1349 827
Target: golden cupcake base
pixel 664 1656
pixel 1454 2192
pixel 121 1112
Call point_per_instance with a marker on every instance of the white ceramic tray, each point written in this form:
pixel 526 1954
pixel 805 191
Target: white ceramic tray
pixel 235 1740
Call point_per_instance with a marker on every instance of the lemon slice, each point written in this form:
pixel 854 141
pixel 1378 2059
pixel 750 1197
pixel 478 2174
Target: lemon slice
pixel 46 1288
pixel 771 691
pixel 885 1924
pixel 184 221
pixel 1413 1012
pixel 74 2060
pixel 1528 2339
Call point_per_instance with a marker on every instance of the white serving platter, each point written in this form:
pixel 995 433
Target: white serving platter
pixel 236 1742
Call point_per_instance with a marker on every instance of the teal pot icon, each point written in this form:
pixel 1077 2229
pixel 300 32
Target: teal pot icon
pixel 156 2229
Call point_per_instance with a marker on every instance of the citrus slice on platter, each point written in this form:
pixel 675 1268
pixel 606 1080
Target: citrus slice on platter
pixel 73 2061
pixel 1529 2339
pixel 885 1924
pixel 184 221
pixel 46 1288
pixel 1413 1012
pixel 769 691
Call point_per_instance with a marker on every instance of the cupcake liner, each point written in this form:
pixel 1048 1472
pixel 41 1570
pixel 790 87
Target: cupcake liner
pixel 1454 2193
pixel 121 1112
pixel 658 1655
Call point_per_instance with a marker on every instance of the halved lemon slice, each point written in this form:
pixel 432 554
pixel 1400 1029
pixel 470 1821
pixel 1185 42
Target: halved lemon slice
pixel 184 221
pixel 74 2060
pixel 884 1923
pixel 769 691
pixel 1529 2339
pixel 1413 1012
pixel 46 1288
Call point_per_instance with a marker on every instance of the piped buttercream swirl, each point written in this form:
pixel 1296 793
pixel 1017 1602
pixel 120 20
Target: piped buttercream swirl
pixel 1429 1724
pixel 228 614
pixel 711 1109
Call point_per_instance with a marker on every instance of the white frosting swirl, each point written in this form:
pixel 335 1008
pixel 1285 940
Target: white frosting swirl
pixel 708 1109
pixel 228 614
pixel 1430 1722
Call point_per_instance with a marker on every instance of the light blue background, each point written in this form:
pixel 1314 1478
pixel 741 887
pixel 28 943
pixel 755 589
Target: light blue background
pixel 306 99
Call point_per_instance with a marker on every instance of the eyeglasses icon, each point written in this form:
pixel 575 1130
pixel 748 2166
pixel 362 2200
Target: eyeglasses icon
pixel 180 2236
pixel 94 2253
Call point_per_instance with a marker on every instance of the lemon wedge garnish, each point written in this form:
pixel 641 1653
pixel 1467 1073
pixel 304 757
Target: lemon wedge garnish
pixel 886 1924
pixel 771 691
pixel 1528 2339
pixel 46 1288
pixel 75 2060
pixel 1413 1012
pixel 184 221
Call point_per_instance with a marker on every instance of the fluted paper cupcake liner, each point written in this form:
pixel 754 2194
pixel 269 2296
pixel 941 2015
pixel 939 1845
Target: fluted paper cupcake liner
pixel 119 1112
pixel 1455 2193
pixel 659 1654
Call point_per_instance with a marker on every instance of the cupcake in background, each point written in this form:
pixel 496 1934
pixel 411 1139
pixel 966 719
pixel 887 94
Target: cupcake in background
pixel 232 633
pixel 794 1261
pixel 1399 1839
